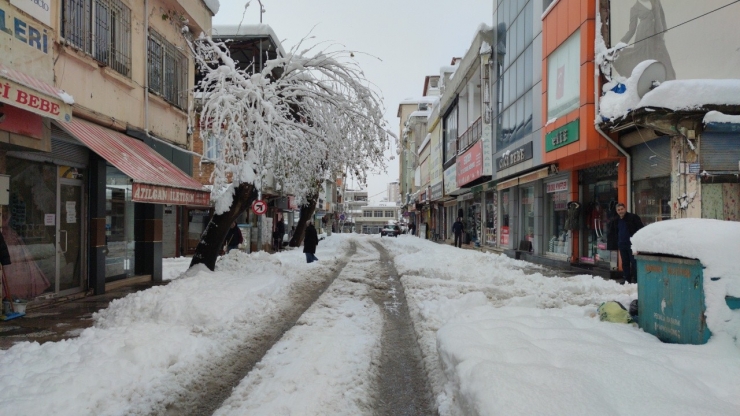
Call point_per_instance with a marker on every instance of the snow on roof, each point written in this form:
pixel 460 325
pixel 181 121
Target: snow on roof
pixel 213 5
pixel 425 99
pixel 717 117
pixel 674 95
pixel 258 30
pixel 420 113
pixel 714 243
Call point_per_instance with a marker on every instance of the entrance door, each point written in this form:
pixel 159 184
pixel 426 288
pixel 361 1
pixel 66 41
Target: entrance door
pixel 69 236
pixel 599 199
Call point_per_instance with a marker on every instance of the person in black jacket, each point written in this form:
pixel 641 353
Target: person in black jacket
pixel 621 230
pixel 310 242
pixel 457 229
pixel 278 234
pixel 233 237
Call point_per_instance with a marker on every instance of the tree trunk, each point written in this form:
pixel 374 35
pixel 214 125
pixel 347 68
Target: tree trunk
pixel 306 212
pixel 212 240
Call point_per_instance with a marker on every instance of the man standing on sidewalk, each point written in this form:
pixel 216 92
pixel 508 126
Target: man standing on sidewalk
pixel 457 229
pixel 621 230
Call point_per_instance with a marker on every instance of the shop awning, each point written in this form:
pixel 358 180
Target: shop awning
pixel 155 179
pixel 34 95
pixel 521 180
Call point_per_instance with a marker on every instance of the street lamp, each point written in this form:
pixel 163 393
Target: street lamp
pixel 262 10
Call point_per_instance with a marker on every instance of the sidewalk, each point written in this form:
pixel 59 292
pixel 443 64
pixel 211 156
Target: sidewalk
pixel 65 319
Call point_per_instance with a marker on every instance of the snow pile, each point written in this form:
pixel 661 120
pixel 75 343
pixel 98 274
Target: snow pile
pixel 716 244
pixel 147 348
pixel 717 117
pixel 614 104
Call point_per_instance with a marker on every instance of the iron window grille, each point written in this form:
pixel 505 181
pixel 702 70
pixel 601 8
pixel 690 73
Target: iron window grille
pixel 101 29
pixel 168 70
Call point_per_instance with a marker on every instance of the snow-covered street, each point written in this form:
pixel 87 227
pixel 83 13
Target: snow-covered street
pixel 495 336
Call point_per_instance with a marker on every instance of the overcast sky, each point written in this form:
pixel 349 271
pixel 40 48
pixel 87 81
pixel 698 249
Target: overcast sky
pixel 412 39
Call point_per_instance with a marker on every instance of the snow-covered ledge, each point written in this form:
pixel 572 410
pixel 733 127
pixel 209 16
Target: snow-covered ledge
pixel 717 117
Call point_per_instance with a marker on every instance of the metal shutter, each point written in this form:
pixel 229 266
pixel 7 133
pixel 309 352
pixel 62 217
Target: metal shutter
pixel 651 159
pixel 720 152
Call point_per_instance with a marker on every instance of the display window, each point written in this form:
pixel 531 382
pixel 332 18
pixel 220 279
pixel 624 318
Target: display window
pixel 652 199
pixel 527 214
pixel 491 218
pixel 556 211
pixel 505 232
pixel 119 225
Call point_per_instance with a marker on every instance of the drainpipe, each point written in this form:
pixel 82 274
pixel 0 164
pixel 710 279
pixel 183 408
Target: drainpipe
pixel 146 67
pixel 597 94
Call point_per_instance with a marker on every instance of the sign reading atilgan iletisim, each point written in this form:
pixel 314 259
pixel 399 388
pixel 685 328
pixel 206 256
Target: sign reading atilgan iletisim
pixel 154 194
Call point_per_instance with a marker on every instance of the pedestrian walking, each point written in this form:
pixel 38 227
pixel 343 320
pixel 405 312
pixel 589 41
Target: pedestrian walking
pixel 278 234
pixel 412 229
pixel 233 237
pixel 621 230
pixel 310 242
pixel 457 229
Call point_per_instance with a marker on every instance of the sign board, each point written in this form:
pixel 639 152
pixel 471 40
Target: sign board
pixel 450 181
pixel 24 43
pixel 514 157
pixel 563 77
pixel 38 9
pixel 563 136
pixel 470 164
pixel 30 100
pixel 155 194
pixel 692 39
pixel 342 217
pixel 557 186
pixel 259 207
pixel 504 236
pixel 437 191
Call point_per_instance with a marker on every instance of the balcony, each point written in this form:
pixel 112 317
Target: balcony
pixel 471 135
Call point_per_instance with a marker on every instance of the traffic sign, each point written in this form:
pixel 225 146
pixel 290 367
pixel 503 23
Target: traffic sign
pixel 259 207
pixel 341 217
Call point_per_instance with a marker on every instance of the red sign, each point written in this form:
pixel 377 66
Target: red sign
pixel 155 194
pixel 259 207
pixel 558 186
pixel 16 120
pixel 505 236
pixel 470 164
pixel 20 96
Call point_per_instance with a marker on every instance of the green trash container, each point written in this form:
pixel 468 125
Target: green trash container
pixel 671 299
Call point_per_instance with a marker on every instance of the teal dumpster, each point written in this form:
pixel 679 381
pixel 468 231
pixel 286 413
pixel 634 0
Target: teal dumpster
pixel 671 299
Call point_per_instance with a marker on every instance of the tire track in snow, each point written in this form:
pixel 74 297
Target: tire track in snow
pixel 402 382
pixel 214 387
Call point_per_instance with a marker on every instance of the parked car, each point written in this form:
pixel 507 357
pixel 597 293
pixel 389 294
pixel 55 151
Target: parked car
pixel 390 231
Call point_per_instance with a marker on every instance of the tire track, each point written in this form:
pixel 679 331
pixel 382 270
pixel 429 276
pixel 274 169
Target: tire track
pixel 216 383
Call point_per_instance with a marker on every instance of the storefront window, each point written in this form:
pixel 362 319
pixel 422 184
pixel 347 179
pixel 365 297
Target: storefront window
pixel 29 228
pixel 491 218
pixel 600 196
pixel 527 214
pixel 119 225
pixel 652 199
pixel 556 236
pixel 504 239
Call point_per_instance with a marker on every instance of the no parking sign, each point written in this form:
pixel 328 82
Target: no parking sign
pixel 259 207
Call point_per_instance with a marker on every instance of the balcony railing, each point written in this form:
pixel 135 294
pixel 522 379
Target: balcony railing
pixel 471 135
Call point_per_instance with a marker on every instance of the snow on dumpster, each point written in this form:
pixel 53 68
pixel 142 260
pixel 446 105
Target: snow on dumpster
pixel 666 278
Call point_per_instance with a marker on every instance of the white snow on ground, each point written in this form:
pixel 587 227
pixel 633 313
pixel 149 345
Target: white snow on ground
pixel 174 267
pixel 497 337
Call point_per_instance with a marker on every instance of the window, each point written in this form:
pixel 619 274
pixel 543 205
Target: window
pixel 389 214
pixel 378 214
pixel 100 28
pixel 211 147
pixel 367 214
pixel 168 70
pixel 450 135
pixel 563 77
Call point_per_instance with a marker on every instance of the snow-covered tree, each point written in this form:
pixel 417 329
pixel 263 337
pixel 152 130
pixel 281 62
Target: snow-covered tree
pixel 301 117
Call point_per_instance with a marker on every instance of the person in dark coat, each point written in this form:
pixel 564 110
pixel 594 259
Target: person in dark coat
pixel 278 234
pixel 457 229
pixel 621 230
pixel 412 229
pixel 310 242
pixel 233 237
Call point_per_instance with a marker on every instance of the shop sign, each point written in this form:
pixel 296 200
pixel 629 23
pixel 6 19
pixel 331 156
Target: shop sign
pixel 558 186
pixel 18 121
pixel 154 194
pixel 24 43
pixel 504 236
pixel 560 201
pixel 563 136
pixel 27 99
pixel 38 9
pixel 437 191
pixel 450 183
pixel 470 164
pixel 487 140
pixel 515 156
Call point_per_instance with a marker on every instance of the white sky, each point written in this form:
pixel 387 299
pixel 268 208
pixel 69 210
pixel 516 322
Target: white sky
pixel 413 38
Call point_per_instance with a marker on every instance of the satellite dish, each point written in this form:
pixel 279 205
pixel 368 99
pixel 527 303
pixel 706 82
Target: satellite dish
pixel 654 74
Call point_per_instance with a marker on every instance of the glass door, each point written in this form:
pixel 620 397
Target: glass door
pixel 69 235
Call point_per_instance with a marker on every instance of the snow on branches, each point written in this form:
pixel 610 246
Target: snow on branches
pixel 298 119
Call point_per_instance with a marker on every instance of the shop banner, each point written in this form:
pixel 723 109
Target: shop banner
pixel 450 183
pixel 692 39
pixel 487 139
pixel 24 43
pixel 38 9
pixel 437 191
pixel 435 159
pixel 18 121
pixel 30 100
pixel 558 186
pixel 505 236
pixel 569 133
pixel 514 157
pixel 154 194
pixel 470 165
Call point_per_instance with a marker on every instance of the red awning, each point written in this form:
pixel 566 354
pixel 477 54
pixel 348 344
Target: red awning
pixel 156 180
